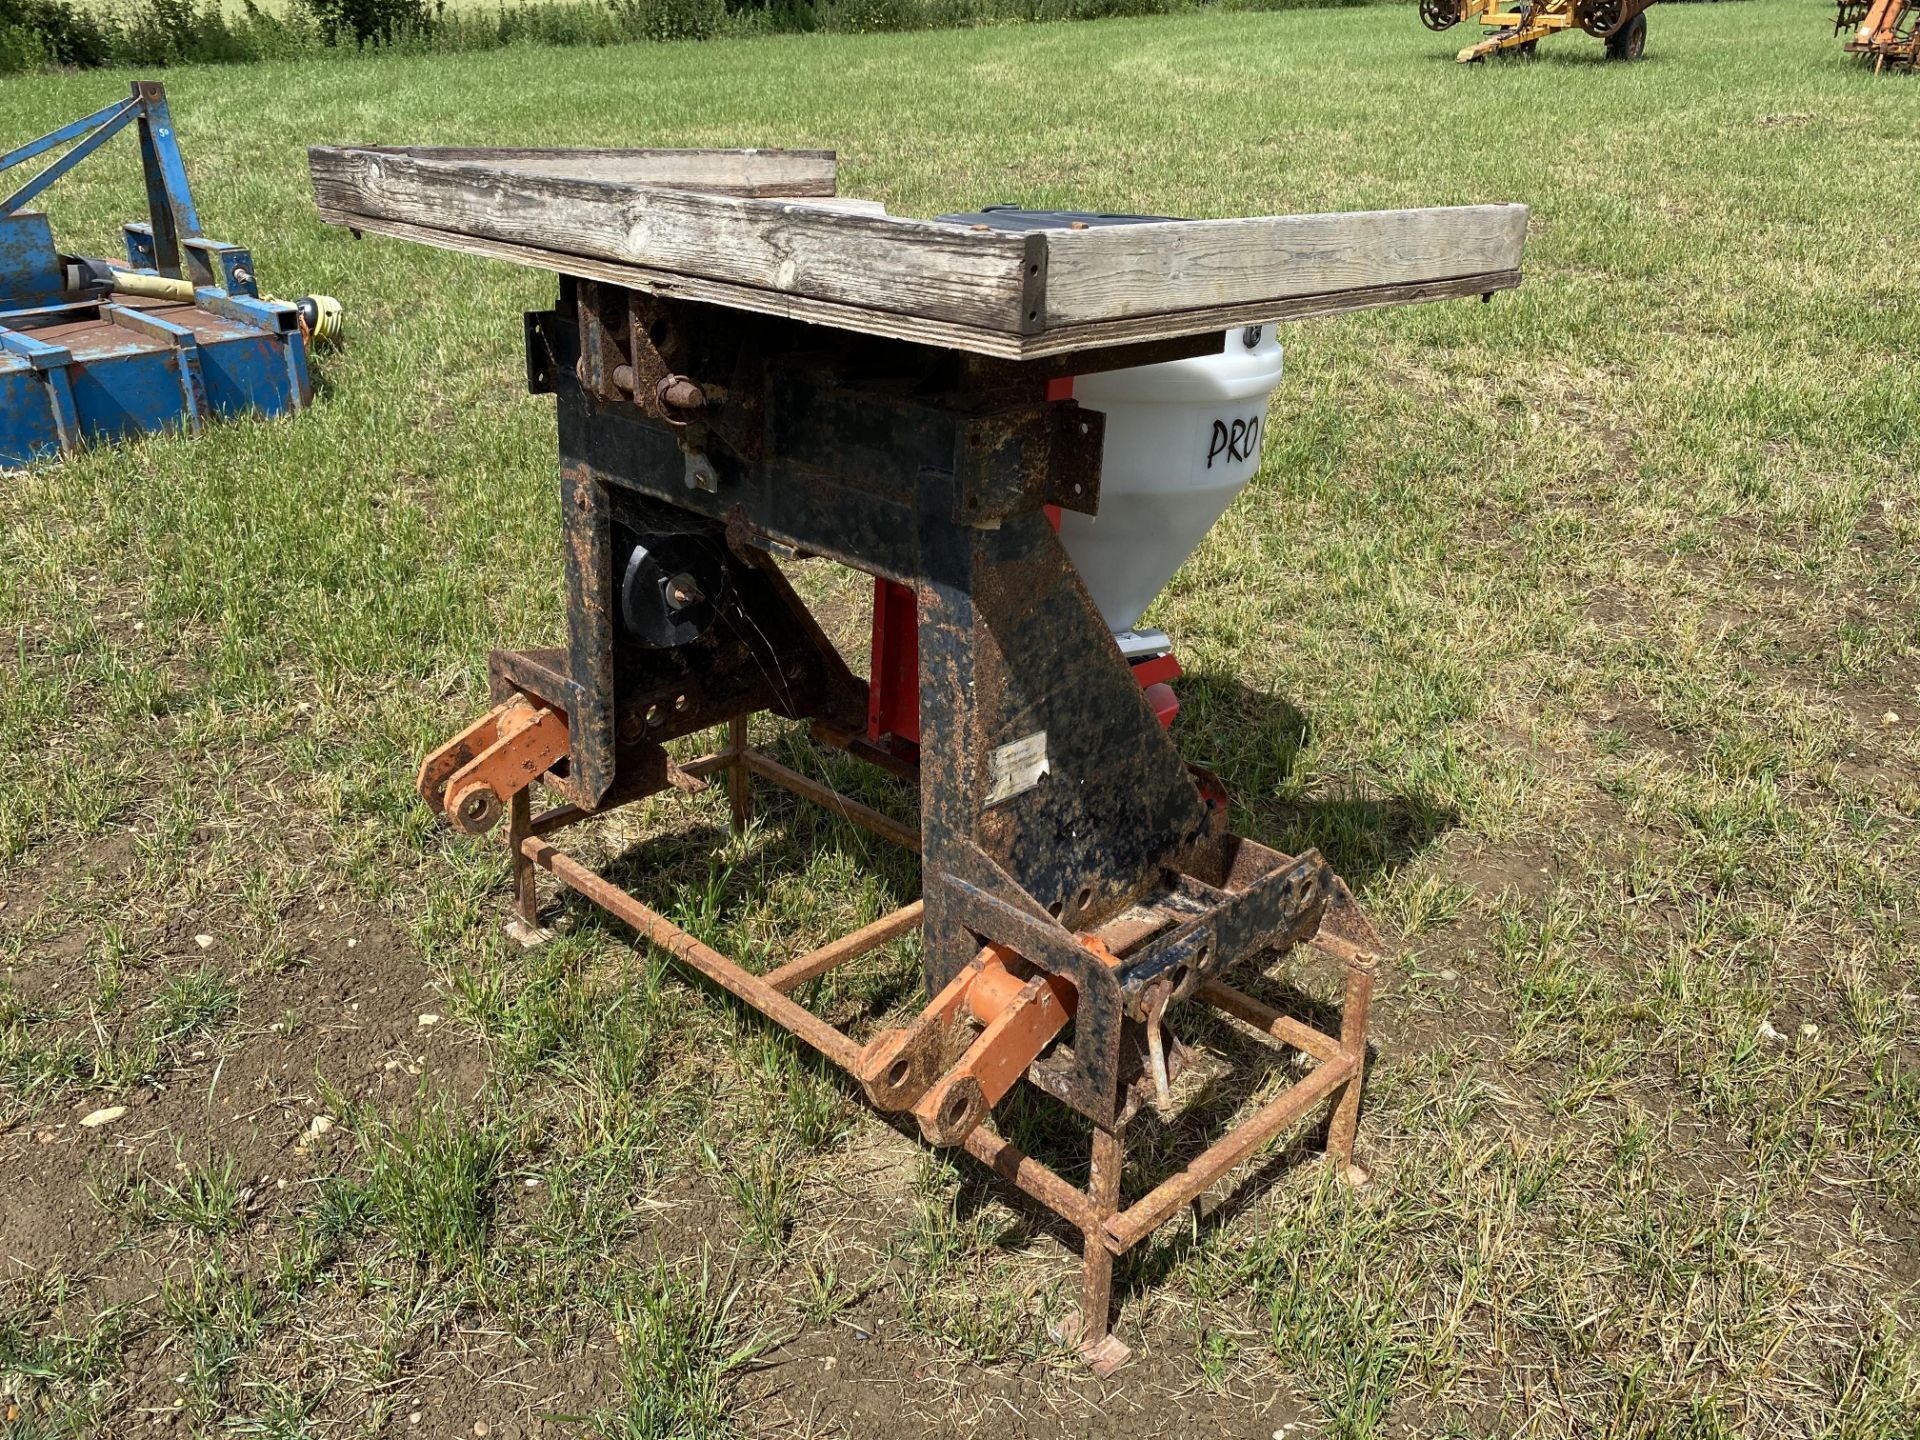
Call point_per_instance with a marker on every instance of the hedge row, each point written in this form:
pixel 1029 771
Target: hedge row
pixel 44 34
pixel 49 34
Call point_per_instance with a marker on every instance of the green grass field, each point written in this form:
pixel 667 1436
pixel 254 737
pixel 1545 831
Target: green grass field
pixel 1580 629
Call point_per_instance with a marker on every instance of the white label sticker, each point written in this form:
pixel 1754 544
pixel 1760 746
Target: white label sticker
pixel 1018 766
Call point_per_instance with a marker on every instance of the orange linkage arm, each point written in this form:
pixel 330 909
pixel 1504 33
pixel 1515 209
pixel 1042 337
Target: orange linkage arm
pixel 472 777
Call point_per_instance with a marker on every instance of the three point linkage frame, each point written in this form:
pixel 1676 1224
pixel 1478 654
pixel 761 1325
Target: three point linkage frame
pixel 1078 879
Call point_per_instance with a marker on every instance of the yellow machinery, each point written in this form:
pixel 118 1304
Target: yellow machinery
pixel 1888 30
pixel 1519 28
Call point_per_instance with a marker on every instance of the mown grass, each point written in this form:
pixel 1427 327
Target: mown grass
pixel 1582 631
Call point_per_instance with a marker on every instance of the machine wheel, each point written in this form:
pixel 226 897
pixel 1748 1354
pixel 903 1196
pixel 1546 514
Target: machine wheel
pixel 1598 17
pixel 1527 51
pixel 1439 14
pixel 1629 42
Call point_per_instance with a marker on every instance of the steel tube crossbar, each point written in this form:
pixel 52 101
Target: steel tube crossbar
pixel 1010 1162
pixel 558 818
pixel 1140 1219
pixel 885 826
pixel 66 162
pixel 114 116
pixel 1267 1020
pixel 796 973
pixel 687 947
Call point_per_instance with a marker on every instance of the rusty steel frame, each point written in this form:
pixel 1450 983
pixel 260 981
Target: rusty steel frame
pixel 1108 1230
pixel 1078 875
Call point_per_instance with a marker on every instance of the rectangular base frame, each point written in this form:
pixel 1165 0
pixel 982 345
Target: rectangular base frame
pixel 1107 1230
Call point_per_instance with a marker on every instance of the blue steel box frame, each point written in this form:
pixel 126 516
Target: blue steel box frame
pixel 95 352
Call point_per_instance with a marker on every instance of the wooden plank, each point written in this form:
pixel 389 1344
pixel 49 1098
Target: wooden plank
pixel 992 343
pixel 919 268
pixel 1085 288
pixel 1119 272
pixel 996 343
pixel 732 172
pixel 1067 339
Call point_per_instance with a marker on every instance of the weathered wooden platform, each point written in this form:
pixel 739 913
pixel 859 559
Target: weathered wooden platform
pixel 763 230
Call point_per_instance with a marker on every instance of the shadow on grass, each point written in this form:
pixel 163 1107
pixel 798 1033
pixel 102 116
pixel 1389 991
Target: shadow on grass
pixel 1557 53
pixel 1254 742
pixel 1160 1146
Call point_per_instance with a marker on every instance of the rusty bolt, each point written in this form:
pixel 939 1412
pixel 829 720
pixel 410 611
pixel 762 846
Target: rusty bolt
pixel 682 591
pixel 676 392
pixel 623 378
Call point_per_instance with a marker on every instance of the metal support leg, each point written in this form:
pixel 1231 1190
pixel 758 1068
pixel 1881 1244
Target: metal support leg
pixel 524 925
pixel 1353 1041
pixel 1099 1346
pixel 739 786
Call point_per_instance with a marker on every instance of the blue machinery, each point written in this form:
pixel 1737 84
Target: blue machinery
pixel 93 351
